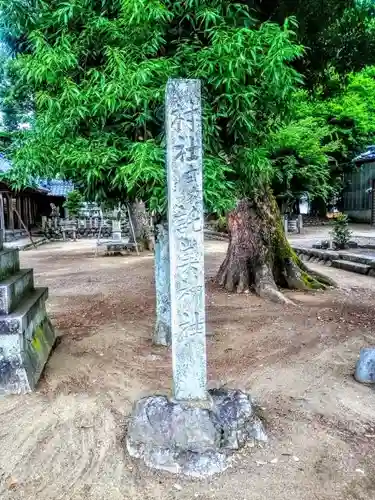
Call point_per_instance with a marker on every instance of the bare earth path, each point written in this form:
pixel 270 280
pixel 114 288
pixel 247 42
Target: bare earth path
pixel 65 441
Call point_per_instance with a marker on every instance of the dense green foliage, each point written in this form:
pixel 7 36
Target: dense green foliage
pixel 74 203
pixel 94 74
pixel 337 34
pixel 98 71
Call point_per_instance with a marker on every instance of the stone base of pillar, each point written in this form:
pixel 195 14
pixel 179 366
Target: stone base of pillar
pixel 194 441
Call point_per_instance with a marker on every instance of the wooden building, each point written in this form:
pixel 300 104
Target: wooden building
pixel 359 189
pixel 21 207
pixel 25 208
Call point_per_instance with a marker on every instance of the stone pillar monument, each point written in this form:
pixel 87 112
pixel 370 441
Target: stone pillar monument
pixel 186 246
pixel 195 432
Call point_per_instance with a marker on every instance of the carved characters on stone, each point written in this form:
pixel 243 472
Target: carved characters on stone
pixel 185 217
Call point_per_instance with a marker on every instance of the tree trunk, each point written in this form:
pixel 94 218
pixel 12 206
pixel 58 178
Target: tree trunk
pixel 259 255
pixel 142 225
pixel 162 332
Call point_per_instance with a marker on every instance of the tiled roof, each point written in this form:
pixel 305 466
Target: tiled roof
pixel 56 187
pixel 367 156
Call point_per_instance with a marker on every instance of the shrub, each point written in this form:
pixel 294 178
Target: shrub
pixel 341 233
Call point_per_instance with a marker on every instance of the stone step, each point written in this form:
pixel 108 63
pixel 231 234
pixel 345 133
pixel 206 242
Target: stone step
pixel 9 262
pixel 361 259
pixel 30 310
pixel 14 288
pixel 354 267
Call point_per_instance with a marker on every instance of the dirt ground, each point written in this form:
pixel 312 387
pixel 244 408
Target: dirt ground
pixel 66 440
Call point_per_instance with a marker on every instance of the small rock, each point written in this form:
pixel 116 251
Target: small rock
pixel 365 367
pixel 12 483
pixel 296 459
pixel 177 487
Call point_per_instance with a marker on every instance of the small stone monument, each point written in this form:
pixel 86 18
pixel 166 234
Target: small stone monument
pixel 196 431
pixel 26 333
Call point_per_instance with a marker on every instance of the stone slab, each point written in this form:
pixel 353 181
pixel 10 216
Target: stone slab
pixel 14 288
pixel 365 367
pixel 9 262
pixel 354 267
pixel 31 309
pixel 189 439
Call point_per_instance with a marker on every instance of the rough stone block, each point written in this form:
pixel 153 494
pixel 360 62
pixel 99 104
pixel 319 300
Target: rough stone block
pixel 365 368
pixel 9 262
pixel 12 289
pixel 190 439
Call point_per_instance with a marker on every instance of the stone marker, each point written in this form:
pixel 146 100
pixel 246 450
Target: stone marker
pixel 365 368
pixel 162 332
pixel 196 431
pixel 116 230
pixel 186 244
pixel 26 333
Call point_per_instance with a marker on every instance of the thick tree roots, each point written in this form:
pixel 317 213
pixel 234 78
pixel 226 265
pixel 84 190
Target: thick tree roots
pixel 259 256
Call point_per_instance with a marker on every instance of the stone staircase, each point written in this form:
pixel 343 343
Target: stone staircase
pixel 26 334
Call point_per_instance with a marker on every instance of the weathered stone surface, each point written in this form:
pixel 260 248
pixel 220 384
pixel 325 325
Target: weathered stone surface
pixel 14 288
pixel 192 440
pixel 186 245
pixel 23 356
pixel 162 331
pixel 365 368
